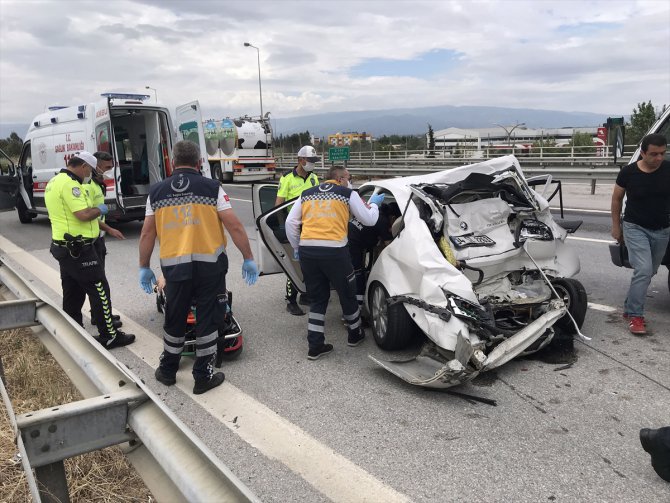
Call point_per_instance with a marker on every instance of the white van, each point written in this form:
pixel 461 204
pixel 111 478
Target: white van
pixel 139 136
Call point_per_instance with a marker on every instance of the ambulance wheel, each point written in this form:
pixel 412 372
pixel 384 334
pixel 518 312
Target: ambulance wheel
pixel 392 326
pixel 25 215
pixel 574 295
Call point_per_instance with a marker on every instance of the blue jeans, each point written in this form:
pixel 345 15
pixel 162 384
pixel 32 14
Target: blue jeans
pixel 646 248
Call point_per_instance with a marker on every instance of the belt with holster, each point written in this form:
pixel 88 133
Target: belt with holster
pixel 74 244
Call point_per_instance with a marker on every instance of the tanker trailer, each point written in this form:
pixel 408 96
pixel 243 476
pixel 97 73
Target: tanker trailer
pixel 240 149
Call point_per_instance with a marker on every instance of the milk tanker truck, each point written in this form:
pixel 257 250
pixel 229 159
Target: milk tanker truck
pixel 240 149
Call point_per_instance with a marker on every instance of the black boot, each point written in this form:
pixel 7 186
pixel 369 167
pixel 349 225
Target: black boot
pixel 657 444
pixel 202 385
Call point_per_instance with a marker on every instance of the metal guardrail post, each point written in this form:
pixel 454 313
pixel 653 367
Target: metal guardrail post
pixel 52 483
pixel 174 463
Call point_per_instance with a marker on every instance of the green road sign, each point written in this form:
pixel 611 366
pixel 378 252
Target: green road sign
pixel 338 154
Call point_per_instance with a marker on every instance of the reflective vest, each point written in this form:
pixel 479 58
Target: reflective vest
pixel 292 184
pixel 63 196
pixel 325 215
pixel 187 223
pixel 97 192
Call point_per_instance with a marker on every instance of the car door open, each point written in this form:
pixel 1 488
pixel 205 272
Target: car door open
pixel 274 252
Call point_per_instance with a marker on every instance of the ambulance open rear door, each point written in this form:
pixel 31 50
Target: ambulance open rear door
pixel 189 127
pixel 9 182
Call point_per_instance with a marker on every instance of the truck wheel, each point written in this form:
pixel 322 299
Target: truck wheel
pixel 573 294
pixel 25 215
pixel 216 171
pixel 392 326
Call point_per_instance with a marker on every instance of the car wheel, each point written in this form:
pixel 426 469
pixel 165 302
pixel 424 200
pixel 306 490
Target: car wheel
pixel 25 215
pixel 573 294
pixel 392 326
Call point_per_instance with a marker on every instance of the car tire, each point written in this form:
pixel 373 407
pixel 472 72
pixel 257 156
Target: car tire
pixel 574 295
pixel 392 326
pixel 25 215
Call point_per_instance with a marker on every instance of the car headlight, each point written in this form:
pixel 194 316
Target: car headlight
pixel 532 229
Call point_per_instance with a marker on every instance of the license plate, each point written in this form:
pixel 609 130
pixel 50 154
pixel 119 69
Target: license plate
pixel 471 240
pixel 253 169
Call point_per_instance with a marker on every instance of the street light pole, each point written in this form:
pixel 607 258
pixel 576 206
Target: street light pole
pixel 260 89
pixel 510 131
pixel 155 92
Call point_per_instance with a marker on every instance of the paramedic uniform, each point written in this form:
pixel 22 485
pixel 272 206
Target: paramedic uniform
pixel 194 263
pixel 73 245
pixel 324 213
pixel 291 185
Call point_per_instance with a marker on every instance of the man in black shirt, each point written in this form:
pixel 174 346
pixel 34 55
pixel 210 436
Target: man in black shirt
pixel 646 221
pixel 362 239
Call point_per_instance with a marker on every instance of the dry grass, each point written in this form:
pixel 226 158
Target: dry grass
pixel 35 381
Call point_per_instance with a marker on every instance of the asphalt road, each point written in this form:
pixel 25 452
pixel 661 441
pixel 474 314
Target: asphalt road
pixel 342 429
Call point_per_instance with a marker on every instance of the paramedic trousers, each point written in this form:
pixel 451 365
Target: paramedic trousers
pixel 646 248
pixel 322 267
pixel 210 297
pixel 83 275
pixel 358 262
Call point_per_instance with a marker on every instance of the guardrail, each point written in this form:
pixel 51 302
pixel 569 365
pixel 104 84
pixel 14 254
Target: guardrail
pixel 577 168
pixel 118 409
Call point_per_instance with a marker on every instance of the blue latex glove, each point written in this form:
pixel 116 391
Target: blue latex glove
pixel 296 255
pixel 377 199
pixel 103 209
pixel 147 279
pixel 249 271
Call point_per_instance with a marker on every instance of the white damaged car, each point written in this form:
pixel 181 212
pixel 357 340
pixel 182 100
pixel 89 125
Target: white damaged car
pixel 477 264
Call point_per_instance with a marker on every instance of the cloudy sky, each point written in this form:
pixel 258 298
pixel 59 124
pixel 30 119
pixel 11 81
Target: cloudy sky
pixel 318 56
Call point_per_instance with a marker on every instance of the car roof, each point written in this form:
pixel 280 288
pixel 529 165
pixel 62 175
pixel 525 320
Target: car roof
pixel 399 186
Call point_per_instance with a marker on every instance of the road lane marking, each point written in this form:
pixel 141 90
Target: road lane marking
pixel 330 473
pixel 581 210
pixel 601 307
pixel 592 240
pixel 242 200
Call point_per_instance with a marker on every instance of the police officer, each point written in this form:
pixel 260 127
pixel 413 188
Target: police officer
pixel 185 212
pixel 74 230
pixel 323 211
pixel 97 191
pixel 291 185
pixel 364 238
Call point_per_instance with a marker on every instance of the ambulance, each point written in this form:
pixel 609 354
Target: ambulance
pixel 137 133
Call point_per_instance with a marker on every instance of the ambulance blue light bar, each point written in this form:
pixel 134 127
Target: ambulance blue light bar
pixel 126 96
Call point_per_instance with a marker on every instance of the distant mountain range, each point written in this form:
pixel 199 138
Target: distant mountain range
pixel 416 120
pixel 412 120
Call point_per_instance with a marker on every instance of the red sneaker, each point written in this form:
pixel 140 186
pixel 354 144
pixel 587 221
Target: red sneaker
pixel 636 325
